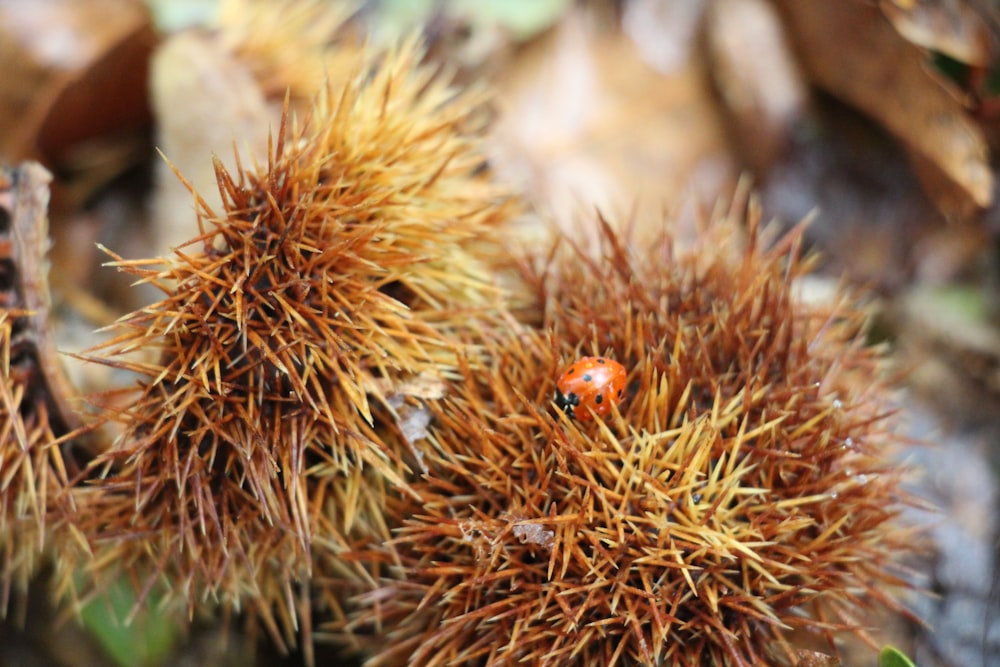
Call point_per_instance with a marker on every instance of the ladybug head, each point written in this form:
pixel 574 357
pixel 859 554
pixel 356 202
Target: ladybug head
pixel 567 402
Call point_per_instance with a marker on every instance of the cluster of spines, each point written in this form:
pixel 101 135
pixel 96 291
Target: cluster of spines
pixel 741 492
pixel 263 421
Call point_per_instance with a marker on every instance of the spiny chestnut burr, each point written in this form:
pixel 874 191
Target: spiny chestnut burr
pixel 742 491
pixel 333 276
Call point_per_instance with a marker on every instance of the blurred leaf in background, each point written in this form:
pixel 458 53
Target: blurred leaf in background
pixel 133 638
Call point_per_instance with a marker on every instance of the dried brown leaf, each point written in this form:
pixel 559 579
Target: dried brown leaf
pixel 73 72
pixel 765 95
pixel 958 28
pixel 586 122
pixel 850 49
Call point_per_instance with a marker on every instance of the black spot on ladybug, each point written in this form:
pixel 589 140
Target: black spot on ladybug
pixel 570 371
pixel 599 399
pixel 587 377
pixel 600 361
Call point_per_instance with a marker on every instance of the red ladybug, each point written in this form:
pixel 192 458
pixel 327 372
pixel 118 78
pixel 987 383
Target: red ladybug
pixel 590 382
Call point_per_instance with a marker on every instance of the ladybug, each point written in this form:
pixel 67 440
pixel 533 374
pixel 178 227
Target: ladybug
pixel 590 382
